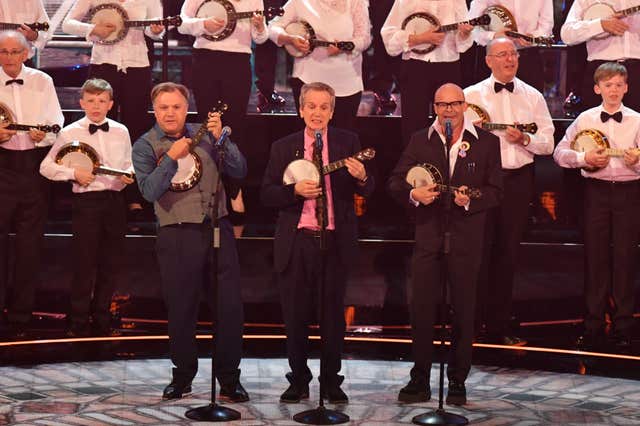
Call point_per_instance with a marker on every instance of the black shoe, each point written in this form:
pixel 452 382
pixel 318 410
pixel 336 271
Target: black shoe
pixel 415 392
pixel 176 390
pixel 457 394
pixel 102 331
pixel 295 392
pixel 590 342
pixel 507 340
pixel 134 216
pixel 19 331
pixel 76 331
pixel 234 393
pixel 335 395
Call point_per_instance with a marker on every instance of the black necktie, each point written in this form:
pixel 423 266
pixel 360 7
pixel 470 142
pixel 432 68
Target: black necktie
pixel 499 86
pixel 94 127
pixel 605 116
pixel 320 210
pixel 17 80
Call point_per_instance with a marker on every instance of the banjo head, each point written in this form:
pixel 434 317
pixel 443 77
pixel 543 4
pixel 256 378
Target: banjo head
pixel 423 175
pixel 299 170
pixel 420 22
pixel 222 10
pixel 6 115
pixel 111 13
pixel 299 28
pixel 501 19
pixel 78 155
pixel 599 11
pixel 589 139
pixel 476 114
pixel 188 173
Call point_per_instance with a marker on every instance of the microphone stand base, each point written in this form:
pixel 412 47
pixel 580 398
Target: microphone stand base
pixel 321 416
pixel 440 417
pixel 213 413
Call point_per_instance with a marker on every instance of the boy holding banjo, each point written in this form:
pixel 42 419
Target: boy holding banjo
pixel 604 141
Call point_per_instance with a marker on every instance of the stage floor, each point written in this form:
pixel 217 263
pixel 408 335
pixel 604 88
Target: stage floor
pixel 127 392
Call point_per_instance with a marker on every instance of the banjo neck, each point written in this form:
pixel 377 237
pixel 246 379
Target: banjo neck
pixel 629 11
pixel 481 20
pixel 619 152
pixel 26 127
pixel 366 154
pixel 104 170
pixel 168 21
pixel 541 40
pixel 529 128
pixel 35 26
pixel 470 192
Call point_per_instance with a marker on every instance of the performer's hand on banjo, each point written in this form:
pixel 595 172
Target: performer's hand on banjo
pixel 514 135
pixel 214 124
pixel 83 177
pixel 257 22
pixel 630 157
pixel 429 36
pixel 30 34
pixel 180 148
pixel 36 135
pixel 333 50
pixel 299 42
pixel 460 198
pixel 126 179
pixel 464 30
pixel 213 25
pixel 5 134
pixel 308 189
pixel 597 158
pixel 614 25
pixel 156 28
pixel 355 168
pixel 103 30
pixel 425 194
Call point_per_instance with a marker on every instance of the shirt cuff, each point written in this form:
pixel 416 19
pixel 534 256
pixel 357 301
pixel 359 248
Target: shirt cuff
pixel 412 201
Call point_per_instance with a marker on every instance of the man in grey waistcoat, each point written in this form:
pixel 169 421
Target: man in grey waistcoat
pixel 185 238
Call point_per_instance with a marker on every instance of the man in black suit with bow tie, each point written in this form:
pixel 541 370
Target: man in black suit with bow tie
pixel 475 163
pixel 297 251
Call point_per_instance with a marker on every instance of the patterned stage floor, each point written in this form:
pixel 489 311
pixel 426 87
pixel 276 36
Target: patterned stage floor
pixel 128 393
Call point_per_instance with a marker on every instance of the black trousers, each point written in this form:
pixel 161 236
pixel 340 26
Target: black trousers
pixel 631 99
pixel 99 226
pixel 131 100
pixel 505 227
pixel 419 81
pixel 226 77
pixel 383 68
pixel 184 254
pixel 299 293
pixel 345 113
pixel 265 57
pixel 24 200
pixel 611 244
pixel 461 268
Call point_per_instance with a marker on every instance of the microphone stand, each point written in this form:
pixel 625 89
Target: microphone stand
pixel 321 415
pixel 165 46
pixel 440 416
pixel 214 412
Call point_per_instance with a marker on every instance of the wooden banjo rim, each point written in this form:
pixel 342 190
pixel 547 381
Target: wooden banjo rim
pixel 428 17
pixel 598 136
pixel 229 28
pixel 81 147
pixel 123 14
pixel 501 11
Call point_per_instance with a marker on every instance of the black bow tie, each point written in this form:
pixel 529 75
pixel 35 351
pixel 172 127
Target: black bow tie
pixel 94 127
pixel 499 86
pixel 17 80
pixel 605 116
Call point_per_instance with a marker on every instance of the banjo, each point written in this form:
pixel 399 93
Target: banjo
pixel 304 29
pixel 427 174
pixel 302 169
pixel 35 26
pixel 502 20
pixel 7 122
pixel 603 11
pixel 476 114
pixel 79 155
pixel 225 11
pixel 113 13
pixel 190 166
pixel 589 139
pixel 417 23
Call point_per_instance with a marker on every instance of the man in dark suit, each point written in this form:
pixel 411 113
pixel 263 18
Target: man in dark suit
pixel 475 162
pixel 297 251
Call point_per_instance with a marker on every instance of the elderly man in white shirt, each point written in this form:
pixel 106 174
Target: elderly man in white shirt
pixel 27 12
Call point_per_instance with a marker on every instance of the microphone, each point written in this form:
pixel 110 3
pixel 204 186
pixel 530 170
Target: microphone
pixel 226 131
pixel 448 131
pixel 318 139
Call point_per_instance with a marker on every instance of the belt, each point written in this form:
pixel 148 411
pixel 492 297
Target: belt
pixel 603 182
pixel 94 195
pixel 315 232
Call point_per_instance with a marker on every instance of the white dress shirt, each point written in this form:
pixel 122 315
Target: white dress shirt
pixel 27 12
pixel 525 105
pixel 113 148
pixel 623 135
pixel 34 102
pixel 396 40
pixel 533 17
pixel 128 52
pixel 575 31
pixel 239 41
pixel 348 20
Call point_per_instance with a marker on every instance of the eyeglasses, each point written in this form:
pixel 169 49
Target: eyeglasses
pixel 11 52
pixel 445 105
pixel 503 55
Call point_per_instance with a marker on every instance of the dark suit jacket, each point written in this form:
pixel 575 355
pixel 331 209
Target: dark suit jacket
pixel 480 168
pixel 274 193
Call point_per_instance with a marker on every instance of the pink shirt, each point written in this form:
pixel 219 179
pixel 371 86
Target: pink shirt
pixel 308 216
